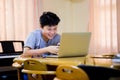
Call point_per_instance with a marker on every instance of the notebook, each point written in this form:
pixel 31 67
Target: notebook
pixel 73 44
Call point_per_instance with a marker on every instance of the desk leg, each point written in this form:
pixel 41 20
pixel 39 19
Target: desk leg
pixel 18 74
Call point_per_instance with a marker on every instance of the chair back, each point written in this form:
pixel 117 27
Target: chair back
pixel 100 72
pixel 36 70
pixel 69 72
pixel 33 64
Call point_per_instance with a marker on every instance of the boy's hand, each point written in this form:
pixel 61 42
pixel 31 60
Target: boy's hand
pixel 53 49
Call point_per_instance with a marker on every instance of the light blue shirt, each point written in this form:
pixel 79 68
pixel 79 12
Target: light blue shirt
pixel 36 41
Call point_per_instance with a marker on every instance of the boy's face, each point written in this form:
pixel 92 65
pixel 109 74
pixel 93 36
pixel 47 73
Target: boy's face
pixel 49 32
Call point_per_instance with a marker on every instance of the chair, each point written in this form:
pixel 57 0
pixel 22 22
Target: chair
pixel 36 69
pixel 100 73
pixel 8 50
pixel 69 72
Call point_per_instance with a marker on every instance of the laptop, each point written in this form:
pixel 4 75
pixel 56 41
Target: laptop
pixel 73 44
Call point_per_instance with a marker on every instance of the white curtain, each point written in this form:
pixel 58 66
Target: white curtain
pixel 18 18
pixel 103 25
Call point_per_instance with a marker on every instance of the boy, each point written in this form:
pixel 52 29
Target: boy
pixel 43 42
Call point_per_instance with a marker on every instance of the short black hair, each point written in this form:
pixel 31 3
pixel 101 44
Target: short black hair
pixel 49 18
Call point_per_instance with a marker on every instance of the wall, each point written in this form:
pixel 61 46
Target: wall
pixel 73 13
